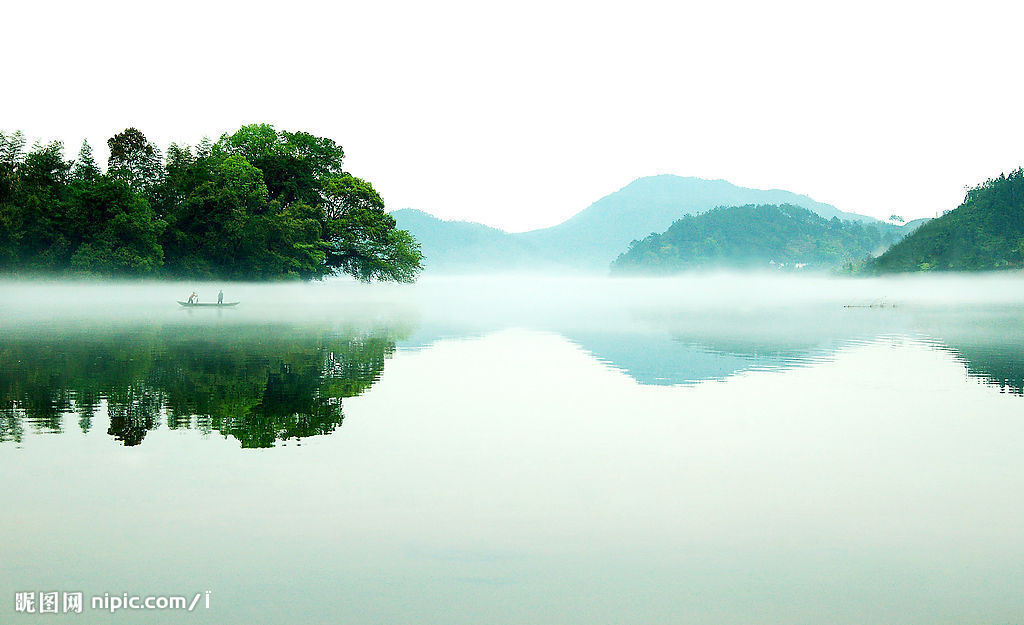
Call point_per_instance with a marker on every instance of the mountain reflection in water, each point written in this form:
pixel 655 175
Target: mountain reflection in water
pixel 683 348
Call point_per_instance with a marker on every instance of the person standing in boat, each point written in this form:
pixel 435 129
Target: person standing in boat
pixel 193 299
pixel 220 297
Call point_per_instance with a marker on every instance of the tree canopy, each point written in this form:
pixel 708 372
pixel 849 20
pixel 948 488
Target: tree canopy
pixel 257 204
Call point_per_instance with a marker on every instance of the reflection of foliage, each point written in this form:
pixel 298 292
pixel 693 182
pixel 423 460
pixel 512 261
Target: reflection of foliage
pixel 134 411
pixel 990 343
pixel 11 428
pixel 258 385
pixel 994 366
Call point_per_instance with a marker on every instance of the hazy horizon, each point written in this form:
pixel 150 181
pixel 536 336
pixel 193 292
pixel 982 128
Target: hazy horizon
pixel 464 295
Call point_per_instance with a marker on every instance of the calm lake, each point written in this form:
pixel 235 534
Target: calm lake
pixel 719 449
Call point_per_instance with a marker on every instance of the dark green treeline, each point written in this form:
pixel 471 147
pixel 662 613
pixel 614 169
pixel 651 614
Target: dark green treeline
pixel 258 204
pixel 259 385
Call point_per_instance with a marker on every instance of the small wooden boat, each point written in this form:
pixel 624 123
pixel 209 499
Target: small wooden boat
pixel 209 304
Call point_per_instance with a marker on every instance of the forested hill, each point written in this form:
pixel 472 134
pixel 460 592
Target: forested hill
pixel 258 204
pixel 985 232
pixel 603 230
pixel 755 236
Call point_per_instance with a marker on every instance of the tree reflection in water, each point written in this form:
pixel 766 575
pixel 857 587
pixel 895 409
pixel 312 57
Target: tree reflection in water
pixel 259 385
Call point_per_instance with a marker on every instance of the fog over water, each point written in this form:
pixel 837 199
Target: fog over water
pixel 713 310
pixel 748 313
pixel 494 298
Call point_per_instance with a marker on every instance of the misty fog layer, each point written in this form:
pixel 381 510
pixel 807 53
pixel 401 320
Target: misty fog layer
pixel 486 298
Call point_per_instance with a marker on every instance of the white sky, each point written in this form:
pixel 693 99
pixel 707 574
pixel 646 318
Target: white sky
pixel 520 114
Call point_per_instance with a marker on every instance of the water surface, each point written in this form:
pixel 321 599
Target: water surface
pixel 708 450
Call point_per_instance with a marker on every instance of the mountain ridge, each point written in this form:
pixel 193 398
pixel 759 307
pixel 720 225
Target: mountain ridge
pixel 592 238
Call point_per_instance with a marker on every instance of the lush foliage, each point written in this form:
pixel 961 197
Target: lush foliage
pixel 752 236
pixel 985 232
pixel 258 204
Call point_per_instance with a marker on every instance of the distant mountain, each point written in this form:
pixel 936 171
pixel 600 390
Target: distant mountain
pixel 985 232
pixel 594 237
pixel 602 231
pixel 458 246
pixel 746 237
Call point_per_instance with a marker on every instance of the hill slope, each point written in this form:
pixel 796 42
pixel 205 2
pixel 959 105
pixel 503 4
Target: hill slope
pixel 985 232
pixel 593 238
pixel 755 237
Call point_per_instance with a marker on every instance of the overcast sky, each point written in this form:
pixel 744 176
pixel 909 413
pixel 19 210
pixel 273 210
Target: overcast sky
pixel 520 114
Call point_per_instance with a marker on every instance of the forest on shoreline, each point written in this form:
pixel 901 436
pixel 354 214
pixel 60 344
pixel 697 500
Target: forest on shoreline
pixel 257 204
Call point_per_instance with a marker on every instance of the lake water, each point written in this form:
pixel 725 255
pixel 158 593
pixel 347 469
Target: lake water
pixel 719 449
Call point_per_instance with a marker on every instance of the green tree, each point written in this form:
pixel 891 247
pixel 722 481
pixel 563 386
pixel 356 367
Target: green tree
pixel 40 208
pixel 358 237
pixel 361 237
pixel 294 164
pixel 258 204
pixel 85 167
pixel 115 231
pixel 134 159
pixel 12 148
